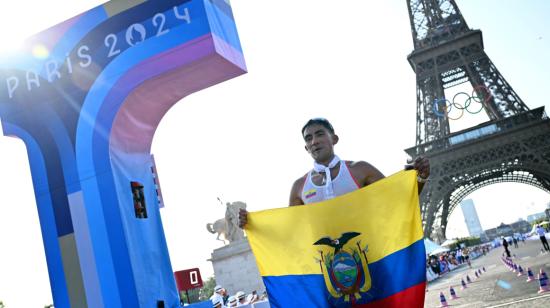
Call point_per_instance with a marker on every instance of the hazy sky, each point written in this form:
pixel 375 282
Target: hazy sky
pixel 240 140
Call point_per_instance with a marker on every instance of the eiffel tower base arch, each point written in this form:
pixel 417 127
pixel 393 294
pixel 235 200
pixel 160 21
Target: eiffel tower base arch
pixel 515 149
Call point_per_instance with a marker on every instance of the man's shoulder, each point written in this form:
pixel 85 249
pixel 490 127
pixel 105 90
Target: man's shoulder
pixel 300 181
pixel 360 166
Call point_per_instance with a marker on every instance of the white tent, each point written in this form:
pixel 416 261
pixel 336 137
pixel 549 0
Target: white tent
pixel 448 242
pixel 430 246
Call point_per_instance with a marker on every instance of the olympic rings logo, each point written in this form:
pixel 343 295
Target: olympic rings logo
pixel 442 107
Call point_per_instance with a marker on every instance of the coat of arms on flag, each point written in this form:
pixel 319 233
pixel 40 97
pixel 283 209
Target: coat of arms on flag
pixel 345 269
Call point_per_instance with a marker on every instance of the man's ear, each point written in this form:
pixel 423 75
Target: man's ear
pixel 335 139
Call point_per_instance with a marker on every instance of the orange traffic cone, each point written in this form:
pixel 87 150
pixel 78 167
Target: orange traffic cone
pixel 530 276
pixel 443 300
pixel 543 273
pixel 464 286
pixel 453 293
pixel 543 284
pixel 520 271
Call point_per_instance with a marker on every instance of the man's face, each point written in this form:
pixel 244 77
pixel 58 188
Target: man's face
pixel 319 142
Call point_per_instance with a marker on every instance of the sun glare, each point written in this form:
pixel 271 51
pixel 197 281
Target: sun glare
pixel 13 29
pixel 20 20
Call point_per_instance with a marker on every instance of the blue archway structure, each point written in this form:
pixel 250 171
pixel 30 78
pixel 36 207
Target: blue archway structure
pixel 86 97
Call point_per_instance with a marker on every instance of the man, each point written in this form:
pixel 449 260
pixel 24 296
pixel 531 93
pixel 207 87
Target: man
pixel 218 295
pixel 241 297
pixel 505 245
pixel 253 297
pixel 466 255
pixel 217 302
pixel 344 176
pixel 232 301
pixel 541 232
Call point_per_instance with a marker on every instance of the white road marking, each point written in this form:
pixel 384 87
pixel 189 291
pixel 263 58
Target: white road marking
pixel 519 301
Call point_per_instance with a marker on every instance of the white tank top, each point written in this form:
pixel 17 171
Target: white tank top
pixel 343 183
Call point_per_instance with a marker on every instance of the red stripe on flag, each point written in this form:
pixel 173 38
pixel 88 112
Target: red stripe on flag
pixel 411 297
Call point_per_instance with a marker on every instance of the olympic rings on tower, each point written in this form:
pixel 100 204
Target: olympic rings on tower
pixel 480 95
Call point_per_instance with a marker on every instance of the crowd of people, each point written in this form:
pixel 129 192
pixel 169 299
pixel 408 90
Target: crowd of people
pixel 222 299
pixel 438 265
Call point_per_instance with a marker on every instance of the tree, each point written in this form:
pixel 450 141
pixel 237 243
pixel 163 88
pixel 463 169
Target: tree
pixel 2 304
pixel 467 241
pixel 207 289
pixel 193 295
pixel 201 294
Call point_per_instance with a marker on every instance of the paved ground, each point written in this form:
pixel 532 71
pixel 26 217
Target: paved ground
pixel 498 287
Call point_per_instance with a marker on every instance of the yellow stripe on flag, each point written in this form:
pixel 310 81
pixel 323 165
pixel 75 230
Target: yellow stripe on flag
pixel 386 214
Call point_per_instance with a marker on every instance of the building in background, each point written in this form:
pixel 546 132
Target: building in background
pixel 521 226
pixel 470 217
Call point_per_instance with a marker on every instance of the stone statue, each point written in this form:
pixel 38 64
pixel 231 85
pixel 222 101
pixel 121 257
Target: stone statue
pixel 228 226
pixel 437 235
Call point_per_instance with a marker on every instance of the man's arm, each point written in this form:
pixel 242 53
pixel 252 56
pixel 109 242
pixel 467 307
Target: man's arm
pixel 296 192
pixel 364 173
pixel 367 174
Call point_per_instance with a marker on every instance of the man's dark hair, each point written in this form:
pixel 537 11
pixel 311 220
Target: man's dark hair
pixel 320 121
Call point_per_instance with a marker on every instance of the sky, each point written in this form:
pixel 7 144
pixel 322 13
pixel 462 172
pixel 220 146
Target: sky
pixel 240 140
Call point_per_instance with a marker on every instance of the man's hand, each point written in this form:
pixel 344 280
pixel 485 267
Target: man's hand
pixel 420 164
pixel 243 218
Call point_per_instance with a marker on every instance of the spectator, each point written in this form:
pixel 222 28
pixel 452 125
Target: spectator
pixel 232 301
pixel 218 295
pixel 252 298
pixel 434 265
pixel 542 235
pixel 225 296
pixel 241 298
pixel 466 255
pixel 217 302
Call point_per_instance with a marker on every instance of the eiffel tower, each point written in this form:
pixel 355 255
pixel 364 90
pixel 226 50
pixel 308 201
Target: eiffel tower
pixel 513 146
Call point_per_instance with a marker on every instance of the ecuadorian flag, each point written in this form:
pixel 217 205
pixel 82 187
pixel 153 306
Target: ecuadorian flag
pixel 362 249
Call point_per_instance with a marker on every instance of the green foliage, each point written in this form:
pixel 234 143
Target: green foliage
pixel 207 289
pixel 201 294
pixel 2 304
pixel 194 296
pixel 538 221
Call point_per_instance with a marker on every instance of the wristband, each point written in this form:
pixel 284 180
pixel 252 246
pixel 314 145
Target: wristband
pixel 421 179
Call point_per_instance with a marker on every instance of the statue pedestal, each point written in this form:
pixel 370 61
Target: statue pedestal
pixel 235 268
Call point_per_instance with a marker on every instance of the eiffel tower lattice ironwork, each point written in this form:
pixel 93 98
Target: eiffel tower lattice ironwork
pixel 513 146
